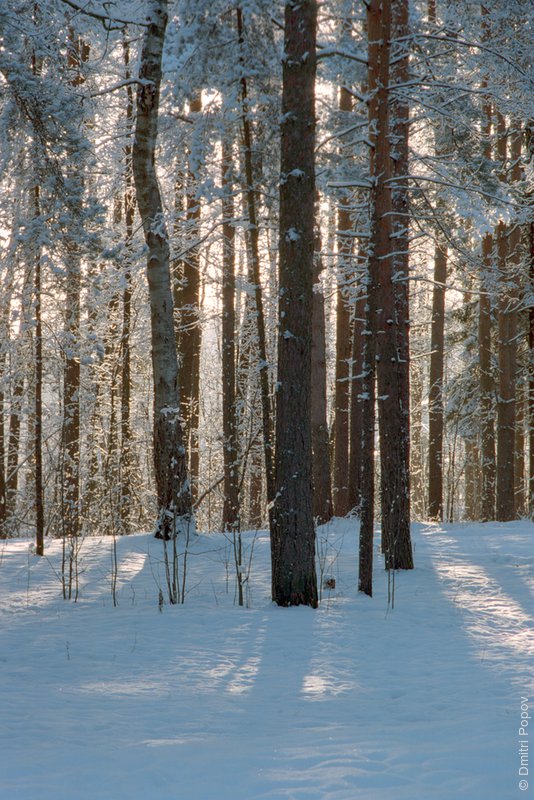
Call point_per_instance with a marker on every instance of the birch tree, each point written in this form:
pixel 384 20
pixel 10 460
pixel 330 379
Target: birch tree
pixel 173 490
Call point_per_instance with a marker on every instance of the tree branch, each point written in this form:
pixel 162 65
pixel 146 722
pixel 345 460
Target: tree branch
pixel 105 18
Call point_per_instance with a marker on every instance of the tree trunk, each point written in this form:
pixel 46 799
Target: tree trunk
pixel 13 439
pixel 343 346
pixel 292 532
pixel 519 449
pixel 71 398
pixel 507 256
pixel 515 268
pixel 368 395
pixel 4 339
pixel 507 316
pixel 417 485
pixel 254 252
pixel 392 411
pixel 435 398
pixel 78 53
pixel 173 489
pixel 322 487
pixel 38 408
pixel 400 127
pixel 488 465
pixel 359 323
pixel 437 356
pixel 472 481
pixel 126 451
pixel 531 373
pixel 255 513
pixel 230 444
pixel 486 385
pixel 187 302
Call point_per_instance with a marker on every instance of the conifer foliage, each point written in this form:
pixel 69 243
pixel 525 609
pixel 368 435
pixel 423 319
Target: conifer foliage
pixel 257 257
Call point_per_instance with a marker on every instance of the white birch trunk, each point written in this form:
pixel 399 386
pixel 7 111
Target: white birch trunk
pixel 173 490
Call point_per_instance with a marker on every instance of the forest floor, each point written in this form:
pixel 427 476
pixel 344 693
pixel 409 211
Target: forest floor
pixel 209 701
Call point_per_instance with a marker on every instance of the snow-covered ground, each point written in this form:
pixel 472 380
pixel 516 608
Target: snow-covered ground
pixel 209 701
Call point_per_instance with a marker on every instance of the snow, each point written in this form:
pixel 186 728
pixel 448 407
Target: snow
pixel 292 235
pixel 211 701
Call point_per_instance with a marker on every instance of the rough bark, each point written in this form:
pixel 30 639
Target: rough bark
pixel 173 490
pixel 368 399
pixel 343 346
pixel 399 138
pixel 292 531
pixel 392 411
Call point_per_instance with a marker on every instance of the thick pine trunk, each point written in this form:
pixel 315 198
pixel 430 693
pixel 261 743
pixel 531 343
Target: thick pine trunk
pixel 400 121
pixel 292 531
pixel 173 490
pixel 393 413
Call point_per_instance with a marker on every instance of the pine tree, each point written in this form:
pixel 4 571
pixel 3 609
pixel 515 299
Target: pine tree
pixel 292 531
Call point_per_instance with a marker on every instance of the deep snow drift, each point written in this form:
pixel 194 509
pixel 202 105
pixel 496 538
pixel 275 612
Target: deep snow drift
pixel 209 701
